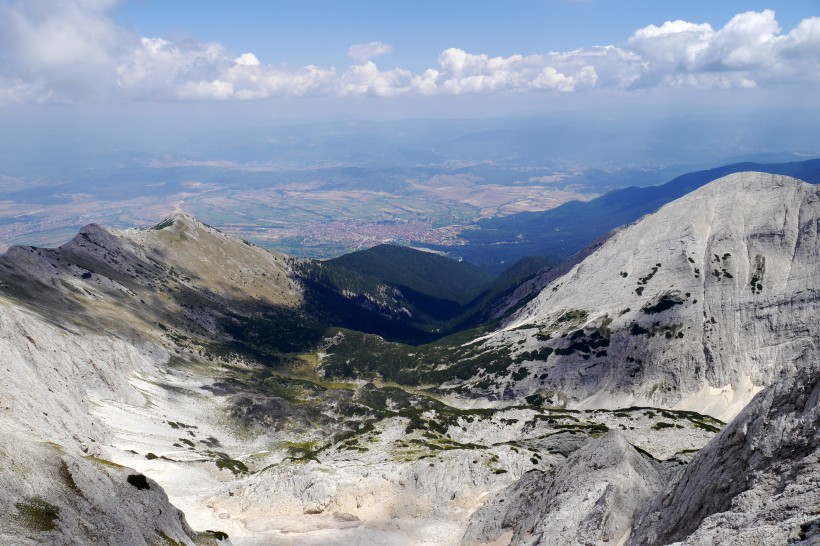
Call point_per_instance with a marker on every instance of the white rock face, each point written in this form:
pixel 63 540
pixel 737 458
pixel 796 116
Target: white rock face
pixel 697 306
pixel 51 374
pixel 755 483
pixel 54 487
pixel 50 496
pixel 591 498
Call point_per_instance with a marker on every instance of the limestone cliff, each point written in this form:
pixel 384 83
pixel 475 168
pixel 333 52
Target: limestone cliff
pixel 697 306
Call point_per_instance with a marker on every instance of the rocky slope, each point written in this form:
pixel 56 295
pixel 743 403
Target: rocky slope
pixel 55 485
pixel 755 483
pixel 697 306
pixel 193 359
pixel 263 455
pixel 90 328
pixel 591 498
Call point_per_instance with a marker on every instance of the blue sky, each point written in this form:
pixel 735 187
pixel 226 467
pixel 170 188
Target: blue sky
pixel 301 32
pixel 314 58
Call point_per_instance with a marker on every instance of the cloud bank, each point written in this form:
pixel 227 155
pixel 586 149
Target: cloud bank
pixel 361 53
pixel 74 51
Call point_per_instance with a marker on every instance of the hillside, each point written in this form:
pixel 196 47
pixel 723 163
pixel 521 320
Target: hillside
pixel 178 368
pixel 697 306
pixel 406 295
pixel 561 232
pixel 424 273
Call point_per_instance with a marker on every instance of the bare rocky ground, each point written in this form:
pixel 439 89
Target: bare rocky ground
pixel 138 354
pixel 697 306
pixel 754 483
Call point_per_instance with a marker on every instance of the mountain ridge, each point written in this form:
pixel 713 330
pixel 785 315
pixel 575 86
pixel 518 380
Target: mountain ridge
pixel 561 232
pixel 189 357
pixel 660 268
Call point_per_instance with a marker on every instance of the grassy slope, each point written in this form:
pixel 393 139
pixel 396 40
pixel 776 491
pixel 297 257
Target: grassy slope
pixel 423 272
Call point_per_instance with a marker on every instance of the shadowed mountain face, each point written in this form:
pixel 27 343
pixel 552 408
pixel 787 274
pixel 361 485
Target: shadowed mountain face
pixel 697 306
pixel 422 272
pixel 190 280
pixel 561 232
pixel 179 279
pixel 405 294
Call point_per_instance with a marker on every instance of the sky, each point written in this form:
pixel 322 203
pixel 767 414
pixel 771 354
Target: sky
pixel 207 62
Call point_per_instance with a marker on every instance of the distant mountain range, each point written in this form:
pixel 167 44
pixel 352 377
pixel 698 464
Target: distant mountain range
pixel 559 233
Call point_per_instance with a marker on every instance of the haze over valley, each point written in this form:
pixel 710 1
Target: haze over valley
pixel 286 273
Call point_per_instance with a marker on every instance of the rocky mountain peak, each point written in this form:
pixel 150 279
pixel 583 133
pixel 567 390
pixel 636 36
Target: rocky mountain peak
pixel 591 498
pixel 697 306
pixel 180 220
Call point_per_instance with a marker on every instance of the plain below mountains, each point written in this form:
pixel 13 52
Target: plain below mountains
pixel 561 232
pixel 178 368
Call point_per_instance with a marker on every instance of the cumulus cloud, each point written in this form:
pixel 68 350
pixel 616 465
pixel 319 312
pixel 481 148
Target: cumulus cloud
pixel 361 53
pixel 162 69
pixel 247 59
pixel 59 50
pixel 73 51
pixel 748 50
pixel 367 79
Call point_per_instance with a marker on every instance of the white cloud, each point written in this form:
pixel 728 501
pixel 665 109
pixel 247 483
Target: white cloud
pixel 749 50
pixel 247 59
pixel 162 69
pixel 59 50
pixel 361 53
pixel 73 51
pixel 367 79
pixel 462 72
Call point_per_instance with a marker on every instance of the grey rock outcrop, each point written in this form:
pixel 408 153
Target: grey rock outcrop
pixel 697 306
pixel 757 482
pixel 50 496
pixel 591 498
pixel 54 486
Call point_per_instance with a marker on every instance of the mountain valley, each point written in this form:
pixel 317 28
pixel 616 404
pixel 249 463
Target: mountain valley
pixel 202 382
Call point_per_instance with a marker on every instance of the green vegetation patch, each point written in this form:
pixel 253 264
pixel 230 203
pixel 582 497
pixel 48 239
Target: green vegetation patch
pixel 698 420
pixel 586 344
pixel 303 451
pixel 37 514
pixel 218 535
pixel 168 540
pixel 423 272
pixel 575 315
pixel 662 425
pixel 67 478
pixel 357 355
pixel 235 466
pixel 103 462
